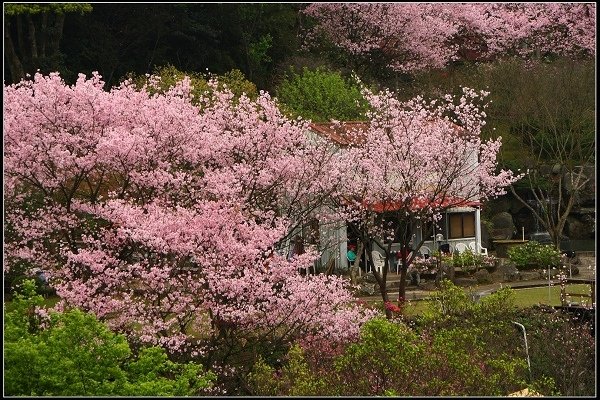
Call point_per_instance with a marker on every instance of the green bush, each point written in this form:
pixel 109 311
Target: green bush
pixel 561 349
pixel 533 255
pixel 73 354
pixel 321 95
pixel 472 261
pixel 234 80
pixel 460 348
pixel 295 378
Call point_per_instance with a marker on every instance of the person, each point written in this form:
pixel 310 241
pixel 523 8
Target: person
pixel 445 248
pixel 404 254
pixel 42 283
pixel 296 248
pixel 351 254
pixel 41 276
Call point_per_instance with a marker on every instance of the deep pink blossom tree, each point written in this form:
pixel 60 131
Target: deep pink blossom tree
pixel 417 36
pixel 415 160
pixel 166 219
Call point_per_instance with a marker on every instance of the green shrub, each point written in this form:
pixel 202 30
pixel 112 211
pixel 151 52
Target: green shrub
pixel 321 95
pixel 73 354
pixel 461 348
pixel 561 349
pixel 483 276
pixel 295 378
pixel 452 361
pixel 533 255
pixel 472 261
pixel 234 80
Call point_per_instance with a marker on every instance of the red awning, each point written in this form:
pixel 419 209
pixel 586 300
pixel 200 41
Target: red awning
pixel 421 203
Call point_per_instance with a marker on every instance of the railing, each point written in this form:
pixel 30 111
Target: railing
pixel 566 296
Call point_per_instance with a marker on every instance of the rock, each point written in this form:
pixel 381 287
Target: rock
pixel 500 204
pixel 508 270
pixel 367 289
pixel 504 227
pixel 369 277
pixel 465 281
pixel 529 275
pixel 580 226
pixel 516 206
pixel 483 276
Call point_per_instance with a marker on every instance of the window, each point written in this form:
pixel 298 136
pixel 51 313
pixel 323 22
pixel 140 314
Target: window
pixel 462 225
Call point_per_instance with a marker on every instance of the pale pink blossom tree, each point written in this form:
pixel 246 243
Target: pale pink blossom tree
pixel 418 36
pixel 415 160
pixel 164 219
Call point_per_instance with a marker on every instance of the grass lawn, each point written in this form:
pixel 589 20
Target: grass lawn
pixel 539 295
pixel 523 298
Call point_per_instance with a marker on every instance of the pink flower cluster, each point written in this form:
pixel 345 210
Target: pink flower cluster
pixel 417 36
pixel 159 216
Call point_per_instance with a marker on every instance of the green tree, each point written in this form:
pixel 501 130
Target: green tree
pixel 321 95
pixel 295 378
pixel 116 39
pixel 170 75
pixel 73 354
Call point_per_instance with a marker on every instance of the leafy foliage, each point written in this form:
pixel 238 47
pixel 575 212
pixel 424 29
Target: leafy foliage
pixel 20 8
pixel 321 95
pixel 73 354
pixel 467 259
pixel 166 77
pixel 391 358
pixel 295 378
pixel 534 255
pixel 557 339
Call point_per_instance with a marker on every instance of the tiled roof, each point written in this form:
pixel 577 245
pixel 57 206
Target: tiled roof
pixel 350 132
pixel 343 134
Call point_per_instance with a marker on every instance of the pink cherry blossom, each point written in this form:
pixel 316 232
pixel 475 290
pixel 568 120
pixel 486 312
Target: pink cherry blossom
pixel 416 36
pixel 167 220
pixel 413 160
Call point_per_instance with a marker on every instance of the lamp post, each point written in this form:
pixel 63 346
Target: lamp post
pixel 548 285
pixel 526 348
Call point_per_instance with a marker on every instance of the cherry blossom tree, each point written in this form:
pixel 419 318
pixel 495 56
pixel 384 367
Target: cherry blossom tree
pixel 165 219
pixel 415 160
pixel 417 36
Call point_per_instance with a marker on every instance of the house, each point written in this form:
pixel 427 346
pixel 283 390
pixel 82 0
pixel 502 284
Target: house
pixel 459 228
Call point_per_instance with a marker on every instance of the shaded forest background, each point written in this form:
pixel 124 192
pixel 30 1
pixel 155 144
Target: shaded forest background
pixel 116 39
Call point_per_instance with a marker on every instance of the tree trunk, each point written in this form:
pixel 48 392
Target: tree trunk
pixel 402 287
pixel 14 64
pixel 32 39
pixel 55 34
pixel 381 280
pixel 44 35
pixel 356 266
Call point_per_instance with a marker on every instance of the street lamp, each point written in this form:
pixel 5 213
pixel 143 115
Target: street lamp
pixel 549 285
pixel 526 348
